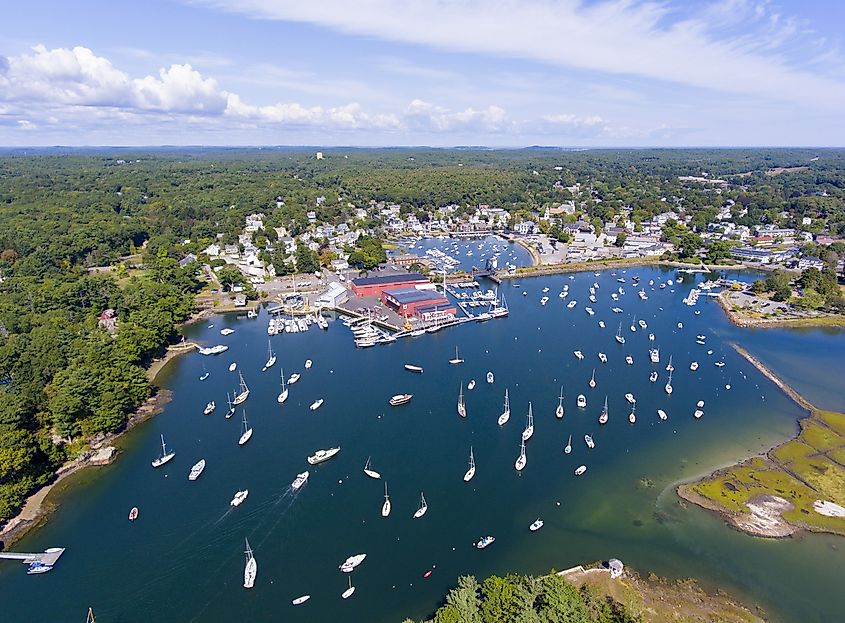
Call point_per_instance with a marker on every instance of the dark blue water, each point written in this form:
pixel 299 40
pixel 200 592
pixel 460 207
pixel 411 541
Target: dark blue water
pixel 182 560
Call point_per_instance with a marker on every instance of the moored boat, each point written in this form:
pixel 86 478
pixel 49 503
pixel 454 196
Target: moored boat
pixel 423 507
pixel 470 473
pixel 250 569
pixel 412 368
pixel 506 411
pixel 370 472
pixel 400 399
pixel 165 456
pixel 323 455
pixel 485 541
pixel 536 525
pixel 196 470
pixel 246 431
pixel 316 404
pixel 385 508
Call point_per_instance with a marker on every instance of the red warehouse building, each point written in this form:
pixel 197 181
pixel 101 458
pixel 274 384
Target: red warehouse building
pixel 374 286
pixel 413 302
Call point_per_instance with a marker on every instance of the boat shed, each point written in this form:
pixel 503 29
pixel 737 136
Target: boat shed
pixel 333 296
pixel 411 301
pixel 374 286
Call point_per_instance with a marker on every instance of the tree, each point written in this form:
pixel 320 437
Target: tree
pixel 621 239
pixel 306 260
pixel 689 244
pixel 758 287
pixel 229 277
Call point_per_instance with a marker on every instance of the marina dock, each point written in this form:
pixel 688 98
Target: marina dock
pixel 48 557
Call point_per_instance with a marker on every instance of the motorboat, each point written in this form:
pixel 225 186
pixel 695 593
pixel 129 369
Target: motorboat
pixel 654 355
pixel 528 432
pixel 196 470
pixel 133 513
pixel 642 324
pixel 581 401
pixel 601 324
pixel 301 600
pixel 700 404
pixel 209 408
pixel 651 337
pixel 536 525
pixel 293 378
pixel 385 508
pixel 300 480
pixel 580 470
pixel 630 398
pixel 37 568
pixel 413 368
pixel 506 411
pixel 323 455
pixel 590 310
pixel 316 404
pixel 662 414
pixel 579 355
pixel 589 441
pixel 165 456
pixel 680 325
pixel 471 384
pixel 233 366
pixel 629 360
pixel 239 498
pixel 204 375
pixel 308 364
pixel 719 364
pixel 370 472
pixel 485 541
pixel 348 566
pixel 602 357
pixel 693 366
pixel 470 473
pixel 698 413
pixel 400 399
pixel 571 304
pixel 490 378
pixel 653 376
pixel 250 569
pixel 246 431
pixel 226 331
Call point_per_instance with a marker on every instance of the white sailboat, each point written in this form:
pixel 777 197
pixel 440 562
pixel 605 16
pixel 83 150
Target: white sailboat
pixel 385 508
pixel 470 473
pixel 457 358
pixel 668 387
pixel 521 460
pixel 348 592
pixel 246 431
pixel 423 507
pixel 283 395
pixel 669 366
pixel 632 417
pixel 593 379
pixel 243 392
pixel 271 356
pixel 560 411
pixel 231 410
pixel 604 415
pixel 462 408
pixel 251 567
pixel 506 412
pixel 165 456
pixel 529 425
pixel 619 337
pixel 371 472
pixel 568 447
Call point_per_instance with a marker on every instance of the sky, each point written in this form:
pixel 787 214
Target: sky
pixel 500 73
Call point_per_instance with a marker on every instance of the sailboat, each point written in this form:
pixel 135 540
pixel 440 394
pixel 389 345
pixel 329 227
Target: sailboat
pixel 271 356
pixel 348 592
pixel 165 456
pixel 457 358
pixel 593 379
pixel 370 472
pixel 529 426
pixel 568 447
pixel 251 567
pixel 385 508
pixel 668 386
pixel 231 410
pixel 90 617
pixel 632 417
pixel 521 459
pixel 669 366
pixel 619 337
pixel 243 392
pixel 603 417
pixel 246 431
pixel 470 473
pixel 423 507
pixel 283 395
pixel 204 374
pixel 559 410
pixel 506 412
pixel 462 408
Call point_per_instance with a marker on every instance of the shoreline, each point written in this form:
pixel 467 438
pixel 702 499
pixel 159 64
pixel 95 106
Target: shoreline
pixel 741 320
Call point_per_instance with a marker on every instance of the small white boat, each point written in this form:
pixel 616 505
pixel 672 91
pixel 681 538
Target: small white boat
pixel 370 472
pixel 601 324
pixel 226 331
pixel 559 411
pixel 571 304
pixel 165 456
pixel 654 355
pixel 536 525
pixel 413 368
pixel 579 354
pixel 592 382
pixel 316 404
pixel 233 366
pixel 580 470
pixel 423 507
pixel 680 325
pixel 250 569
pixel 653 376
pixel 698 413
pixel 589 441
pixel 470 473
pixel 668 386
pixel 246 431
pixel 239 498
pixel 485 542
pixel 528 432
pixel 196 470
pixel 323 455
pixel 642 324
pixel 308 364
pixel 300 480
pixel 293 378
pixel 700 404
pixel 204 375
pixel 348 566
pixel 490 378
pixel 385 508
pixel 632 416
pixel 662 414
pixel 400 399
pixel 506 411
pixel 602 357
pixel 630 398
pixel 301 600
pixel 719 364
pixel 348 592
pixel 603 417
pixel 651 337
pixel 581 401
pixel 568 448
pixel 471 384
pixel 209 408
pixel 693 366
pixel 629 360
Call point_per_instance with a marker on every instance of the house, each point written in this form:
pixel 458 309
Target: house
pixel 312 216
pixel 187 260
pixel 525 228
pixel 240 300
pixel 212 250
pixel 108 320
pixel 335 295
pixel 810 262
pixel 319 155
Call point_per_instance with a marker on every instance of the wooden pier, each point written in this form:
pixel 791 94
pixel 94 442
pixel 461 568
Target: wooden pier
pixel 48 557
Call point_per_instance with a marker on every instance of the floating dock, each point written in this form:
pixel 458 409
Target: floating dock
pixel 48 557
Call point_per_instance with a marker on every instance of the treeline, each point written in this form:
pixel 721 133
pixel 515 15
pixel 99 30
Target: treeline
pixel 527 599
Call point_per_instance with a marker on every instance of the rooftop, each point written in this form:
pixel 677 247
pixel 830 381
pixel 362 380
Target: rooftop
pixel 394 278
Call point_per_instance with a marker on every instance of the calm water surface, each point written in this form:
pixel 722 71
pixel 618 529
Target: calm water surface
pixel 183 560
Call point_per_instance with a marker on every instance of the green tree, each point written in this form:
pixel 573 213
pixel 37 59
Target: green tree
pixel 307 260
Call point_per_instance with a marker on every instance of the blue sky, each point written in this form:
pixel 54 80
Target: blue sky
pixel 423 72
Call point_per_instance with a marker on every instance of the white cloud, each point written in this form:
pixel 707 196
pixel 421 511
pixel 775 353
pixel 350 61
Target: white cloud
pixel 425 116
pixel 737 46
pixel 180 88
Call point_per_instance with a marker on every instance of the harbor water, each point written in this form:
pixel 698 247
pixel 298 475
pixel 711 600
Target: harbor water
pixel 183 558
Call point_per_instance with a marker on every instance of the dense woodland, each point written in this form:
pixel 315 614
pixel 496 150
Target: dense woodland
pixel 526 599
pixel 63 378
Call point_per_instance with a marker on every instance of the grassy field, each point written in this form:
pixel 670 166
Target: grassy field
pixel 808 468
